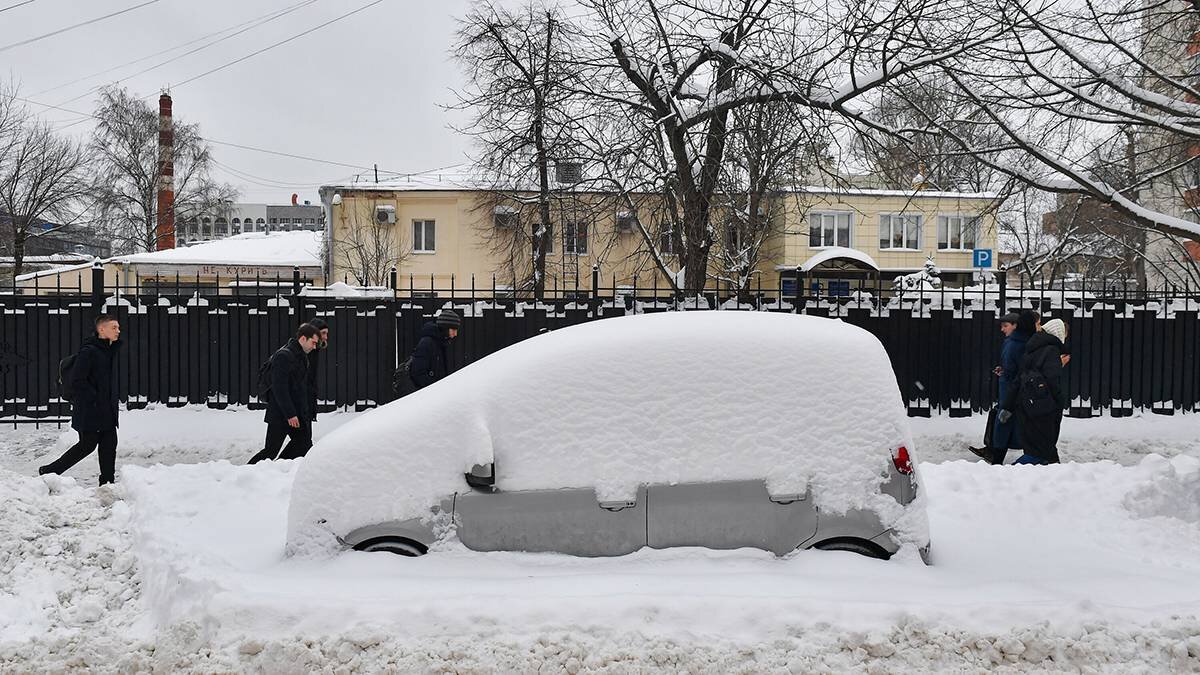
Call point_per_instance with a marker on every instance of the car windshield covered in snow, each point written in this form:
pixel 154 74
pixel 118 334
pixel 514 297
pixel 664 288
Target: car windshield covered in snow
pixel 807 406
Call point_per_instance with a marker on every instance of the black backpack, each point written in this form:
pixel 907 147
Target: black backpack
pixel 264 377
pixel 65 388
pixel 1036 397
pixel 402 379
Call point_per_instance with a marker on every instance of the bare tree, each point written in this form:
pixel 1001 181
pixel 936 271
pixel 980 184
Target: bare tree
pixel 524 108
pixel 679 70
pixel 125 143
pixel 42 179
pixel 772 148
pixel 369 249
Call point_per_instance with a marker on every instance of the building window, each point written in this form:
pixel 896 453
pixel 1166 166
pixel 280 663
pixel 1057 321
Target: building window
pixel 505 216
pixel 261 225
pixel 733 238
pixel 221 228
pixel 274 221
pixel 206 228
pixel 310 221
pixel 575 238
pixel 666 242
pixel 829 229
pixel 900 231
pixel 957 233
pixel 424 236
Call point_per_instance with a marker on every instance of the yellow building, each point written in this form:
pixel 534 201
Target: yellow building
pixel 438 231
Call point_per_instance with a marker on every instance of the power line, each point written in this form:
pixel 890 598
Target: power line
pixel 263 19
pixel 78 25
pixel 263 150
pixel 281 42
pixel 5 9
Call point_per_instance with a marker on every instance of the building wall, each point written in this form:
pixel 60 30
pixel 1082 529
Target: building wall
pixel 465 244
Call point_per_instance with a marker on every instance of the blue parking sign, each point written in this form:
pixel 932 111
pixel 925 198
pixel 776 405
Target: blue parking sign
pixel 983 257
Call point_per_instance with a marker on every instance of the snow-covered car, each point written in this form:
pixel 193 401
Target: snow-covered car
pixel 722 429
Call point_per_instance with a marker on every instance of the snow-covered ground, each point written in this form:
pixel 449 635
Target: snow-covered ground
pixel 1090 565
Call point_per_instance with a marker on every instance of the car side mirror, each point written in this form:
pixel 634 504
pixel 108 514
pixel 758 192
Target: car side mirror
pixel 482 476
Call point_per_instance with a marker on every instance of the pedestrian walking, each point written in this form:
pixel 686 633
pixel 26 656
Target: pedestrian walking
pixel 314 360
pixel 1003 436
pixel 91 379
pixel 287 395
pixel 429 363
pixel 1038 401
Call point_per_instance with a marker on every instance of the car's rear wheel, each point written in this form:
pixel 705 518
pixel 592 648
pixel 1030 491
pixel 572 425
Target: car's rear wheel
pixel 397 545
pixel 859 546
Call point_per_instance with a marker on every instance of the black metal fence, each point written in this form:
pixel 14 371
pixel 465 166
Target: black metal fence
pixel 196 342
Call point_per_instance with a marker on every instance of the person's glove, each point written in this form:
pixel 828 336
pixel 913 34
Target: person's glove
pixel 1004 416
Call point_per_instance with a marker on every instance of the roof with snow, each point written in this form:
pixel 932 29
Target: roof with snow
pixel 458 180
pixel 291 249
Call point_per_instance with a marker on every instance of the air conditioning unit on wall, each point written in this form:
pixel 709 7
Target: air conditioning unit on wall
pixel 385 215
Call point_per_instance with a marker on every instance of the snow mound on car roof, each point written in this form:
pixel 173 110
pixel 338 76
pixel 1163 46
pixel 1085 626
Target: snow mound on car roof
pixel 802 402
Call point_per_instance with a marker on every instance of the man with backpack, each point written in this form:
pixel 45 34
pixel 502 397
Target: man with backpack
pixel 1038 400
pixel 283 382
pixel 429 363
pixel 89 381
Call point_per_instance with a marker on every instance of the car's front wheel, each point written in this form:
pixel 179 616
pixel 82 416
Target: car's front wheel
pixel 397 545
pixel 859 546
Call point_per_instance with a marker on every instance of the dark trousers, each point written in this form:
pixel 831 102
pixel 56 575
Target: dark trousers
pixel 106 441
pixel 299 441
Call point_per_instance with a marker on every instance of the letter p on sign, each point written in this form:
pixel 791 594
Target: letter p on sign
pixel 983 257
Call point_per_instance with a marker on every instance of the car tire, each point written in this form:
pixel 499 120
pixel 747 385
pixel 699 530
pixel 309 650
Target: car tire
pixel 397 545
pixel 859 546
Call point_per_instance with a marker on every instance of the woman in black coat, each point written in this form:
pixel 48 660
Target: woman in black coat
pixel 1037 403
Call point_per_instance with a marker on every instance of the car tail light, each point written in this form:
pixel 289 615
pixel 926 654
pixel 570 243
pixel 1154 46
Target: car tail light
pixel 902 461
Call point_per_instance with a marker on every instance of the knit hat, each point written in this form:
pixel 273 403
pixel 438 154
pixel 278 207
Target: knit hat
pixel 1056 328
pixel 1011 317
pixel 448 318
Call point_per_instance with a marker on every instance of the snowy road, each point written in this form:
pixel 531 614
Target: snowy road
pixel 1084 565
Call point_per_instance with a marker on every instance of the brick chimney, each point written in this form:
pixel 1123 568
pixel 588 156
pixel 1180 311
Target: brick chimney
pixel 165 230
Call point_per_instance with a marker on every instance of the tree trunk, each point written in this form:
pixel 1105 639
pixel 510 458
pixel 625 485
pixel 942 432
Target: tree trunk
pixel 20 232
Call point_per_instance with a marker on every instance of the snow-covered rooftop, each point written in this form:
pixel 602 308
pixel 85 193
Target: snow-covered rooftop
pixel 285 249
pixel 463 181
pixel 836 252
pixel 292 249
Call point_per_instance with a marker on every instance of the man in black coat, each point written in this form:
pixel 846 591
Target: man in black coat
pixel 314 360
pixel 287 413
pixel 95 402
pixel 429 362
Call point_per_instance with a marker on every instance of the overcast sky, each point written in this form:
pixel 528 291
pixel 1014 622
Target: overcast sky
pixel 361 91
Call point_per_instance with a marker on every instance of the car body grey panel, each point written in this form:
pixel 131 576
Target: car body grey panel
pixel 727 515
pixel 570 521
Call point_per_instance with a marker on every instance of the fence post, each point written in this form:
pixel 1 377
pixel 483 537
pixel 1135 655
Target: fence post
pixel 1003 292
pixel 595 290
pixel 297 303
pixel 97 288
pixel 393 280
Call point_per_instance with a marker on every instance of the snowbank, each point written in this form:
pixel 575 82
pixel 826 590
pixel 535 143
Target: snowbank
pixel 803 402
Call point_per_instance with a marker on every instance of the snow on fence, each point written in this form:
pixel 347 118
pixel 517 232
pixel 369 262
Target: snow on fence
pixel 203 343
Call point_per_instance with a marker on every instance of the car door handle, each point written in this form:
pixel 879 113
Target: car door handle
pixel 788 498
pixel 617 505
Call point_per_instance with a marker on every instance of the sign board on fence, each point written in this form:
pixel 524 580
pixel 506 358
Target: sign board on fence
pixel 983 257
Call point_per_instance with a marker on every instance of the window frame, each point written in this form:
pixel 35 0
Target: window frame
pixel 963 219
pixel 426 225
pixel 920 226
pixel 572 227
pixel 835 215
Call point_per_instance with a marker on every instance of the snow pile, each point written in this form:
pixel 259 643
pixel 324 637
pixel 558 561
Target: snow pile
pixel 49 575
pixel 804 402
pixel 1173 492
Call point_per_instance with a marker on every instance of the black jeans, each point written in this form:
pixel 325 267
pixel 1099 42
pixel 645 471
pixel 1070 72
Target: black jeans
pixel 299 441
pixel 89 441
